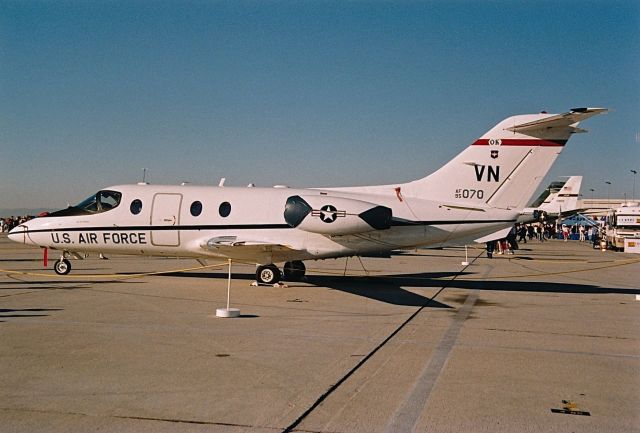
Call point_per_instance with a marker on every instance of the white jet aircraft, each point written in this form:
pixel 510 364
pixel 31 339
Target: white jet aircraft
pixel 559 199
pixel 481 190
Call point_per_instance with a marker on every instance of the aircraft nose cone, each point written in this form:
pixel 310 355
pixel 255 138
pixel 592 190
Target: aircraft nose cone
pixel 18 234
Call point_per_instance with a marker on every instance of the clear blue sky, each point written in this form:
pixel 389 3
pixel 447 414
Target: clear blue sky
pixel 301 93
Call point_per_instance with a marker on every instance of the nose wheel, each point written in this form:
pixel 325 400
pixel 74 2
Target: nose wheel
pixel 62 266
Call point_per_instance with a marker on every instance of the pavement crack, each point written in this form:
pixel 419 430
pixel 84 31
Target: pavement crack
pixel 188 421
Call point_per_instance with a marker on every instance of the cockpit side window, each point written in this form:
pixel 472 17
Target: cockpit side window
pixel 108 199
pixel 101 202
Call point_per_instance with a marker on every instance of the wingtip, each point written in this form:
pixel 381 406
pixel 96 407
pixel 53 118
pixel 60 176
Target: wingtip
pixel 589 110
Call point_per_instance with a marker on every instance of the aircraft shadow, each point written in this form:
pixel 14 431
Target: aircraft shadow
pixel 377 289
pixel 389 291
pixel 390 288
pixel 57 284
pixel 20 260
pixel 419 280
pixel 9 312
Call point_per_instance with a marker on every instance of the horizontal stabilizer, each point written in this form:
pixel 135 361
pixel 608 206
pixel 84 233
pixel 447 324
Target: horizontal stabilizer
pixel 565 120
pixel 500 234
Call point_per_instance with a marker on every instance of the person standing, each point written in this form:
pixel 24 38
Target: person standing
pixel 522 233
pixel 511 240
pixel 490 247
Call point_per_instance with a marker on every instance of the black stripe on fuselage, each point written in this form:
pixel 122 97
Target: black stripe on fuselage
pixel 245 226
pixel 163 228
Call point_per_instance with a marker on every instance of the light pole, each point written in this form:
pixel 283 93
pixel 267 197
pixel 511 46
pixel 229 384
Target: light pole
pixel 608 192
pixel 633 196
pixel 591 189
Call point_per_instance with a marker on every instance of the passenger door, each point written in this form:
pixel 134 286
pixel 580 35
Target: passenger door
pixel 165 220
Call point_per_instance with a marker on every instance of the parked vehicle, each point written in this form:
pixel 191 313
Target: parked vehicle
pixel 622 223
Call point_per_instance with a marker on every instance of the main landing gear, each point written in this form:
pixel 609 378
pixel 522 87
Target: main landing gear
pixel 270 274
pixel 294 271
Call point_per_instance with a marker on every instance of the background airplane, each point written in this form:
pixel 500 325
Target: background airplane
pixel 559 199
pixel 552 203
pixel 481 190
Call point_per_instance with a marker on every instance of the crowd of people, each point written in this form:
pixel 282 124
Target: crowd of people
pixel 6 224
pixel 541 232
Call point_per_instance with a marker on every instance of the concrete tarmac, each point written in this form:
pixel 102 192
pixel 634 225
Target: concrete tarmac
pixel 545 340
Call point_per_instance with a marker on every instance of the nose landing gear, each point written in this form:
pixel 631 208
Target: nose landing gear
pixel 62 266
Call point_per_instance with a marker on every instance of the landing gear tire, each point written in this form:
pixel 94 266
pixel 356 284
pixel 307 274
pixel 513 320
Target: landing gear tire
pixel 294 271
pixel 62 267
pixel 268 274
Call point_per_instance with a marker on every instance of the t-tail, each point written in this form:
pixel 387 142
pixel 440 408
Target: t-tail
pixel 566 200
pixel 505 166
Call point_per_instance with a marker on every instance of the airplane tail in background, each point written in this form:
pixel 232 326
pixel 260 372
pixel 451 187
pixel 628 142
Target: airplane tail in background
pixel 505 166
pixel 566 199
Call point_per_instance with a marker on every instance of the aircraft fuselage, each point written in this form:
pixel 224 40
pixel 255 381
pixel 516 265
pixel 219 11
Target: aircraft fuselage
pixel 181 220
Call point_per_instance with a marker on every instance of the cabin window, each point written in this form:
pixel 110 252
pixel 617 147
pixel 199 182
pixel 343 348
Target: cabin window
pixel 101 202
pixel 136 207
pixel 224 209
pixel 196 208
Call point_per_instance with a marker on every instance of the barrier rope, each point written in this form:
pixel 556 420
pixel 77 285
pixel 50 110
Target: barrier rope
pixel 343 272
pixel 9 272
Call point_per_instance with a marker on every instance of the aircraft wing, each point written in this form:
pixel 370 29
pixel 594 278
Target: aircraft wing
pixel 500 234
pixel 565 120
pixel 237 248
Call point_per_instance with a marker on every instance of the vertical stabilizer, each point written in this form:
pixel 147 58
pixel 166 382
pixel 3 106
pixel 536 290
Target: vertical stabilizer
pixel 566 200
pixel 505 166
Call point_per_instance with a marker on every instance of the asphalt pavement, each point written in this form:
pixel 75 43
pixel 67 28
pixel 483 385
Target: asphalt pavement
pixel 547 339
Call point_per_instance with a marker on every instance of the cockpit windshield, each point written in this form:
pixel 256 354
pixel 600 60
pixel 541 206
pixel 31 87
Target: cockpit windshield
pixel 101 202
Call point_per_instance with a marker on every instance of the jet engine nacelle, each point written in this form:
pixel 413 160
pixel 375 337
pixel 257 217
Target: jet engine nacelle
pixel 335 215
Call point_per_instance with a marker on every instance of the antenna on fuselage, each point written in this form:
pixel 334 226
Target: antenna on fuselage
pixel 222 181
pixel 144 175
